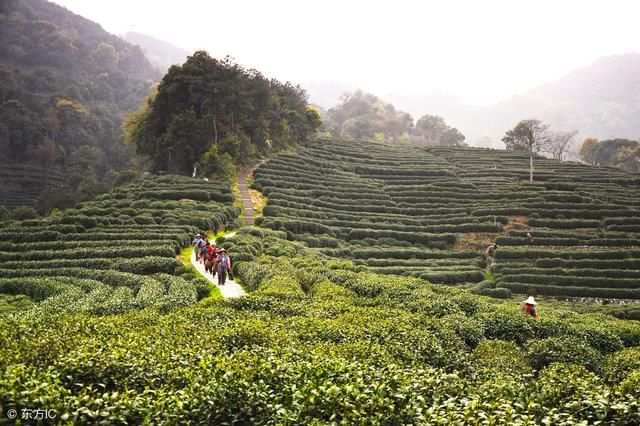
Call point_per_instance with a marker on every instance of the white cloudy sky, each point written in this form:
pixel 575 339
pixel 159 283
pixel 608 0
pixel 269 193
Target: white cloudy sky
pixel 478 50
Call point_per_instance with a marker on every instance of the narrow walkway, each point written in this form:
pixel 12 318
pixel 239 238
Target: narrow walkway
pixel 230 289
pixel 247 203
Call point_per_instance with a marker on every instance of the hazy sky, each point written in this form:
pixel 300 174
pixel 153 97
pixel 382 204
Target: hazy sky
pixel 478 50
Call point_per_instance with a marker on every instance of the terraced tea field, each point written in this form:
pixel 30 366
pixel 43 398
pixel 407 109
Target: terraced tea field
pixel 431 213
pixel 114 254
pixel 100 324
pixel 22 185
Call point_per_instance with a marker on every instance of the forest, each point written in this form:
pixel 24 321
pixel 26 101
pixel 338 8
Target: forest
pixel 210 115
pixel 65 87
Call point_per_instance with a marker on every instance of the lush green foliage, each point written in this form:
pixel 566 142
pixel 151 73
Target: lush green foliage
pixel 363 116
pixel 322 341
pixel 404 211
pixel 65 85
pixel 116 253
pixel 623 153
pixel 210 112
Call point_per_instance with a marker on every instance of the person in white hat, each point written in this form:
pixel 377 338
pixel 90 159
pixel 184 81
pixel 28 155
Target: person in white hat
pixel 529 307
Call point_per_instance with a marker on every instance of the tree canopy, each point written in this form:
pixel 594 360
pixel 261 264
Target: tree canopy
pixel 364 116
pixel 65 85
pixel 622 153
pixel 530 135
pixel 207 112
pixel 434 131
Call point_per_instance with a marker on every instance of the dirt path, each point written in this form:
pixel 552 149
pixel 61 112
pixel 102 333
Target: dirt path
pixel 247 203
pixel 230 289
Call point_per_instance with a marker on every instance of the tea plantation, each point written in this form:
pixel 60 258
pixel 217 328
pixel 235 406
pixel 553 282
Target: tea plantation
pixel 323 341
pixel 114 254
pixel 101 323
pixel 431 214
pixel 22 185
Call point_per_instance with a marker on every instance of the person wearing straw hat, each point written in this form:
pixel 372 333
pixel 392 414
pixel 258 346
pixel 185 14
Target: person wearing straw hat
pixel 224 264
pixel 529 307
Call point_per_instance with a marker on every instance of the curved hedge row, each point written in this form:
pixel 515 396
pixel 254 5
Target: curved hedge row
pixel 117 244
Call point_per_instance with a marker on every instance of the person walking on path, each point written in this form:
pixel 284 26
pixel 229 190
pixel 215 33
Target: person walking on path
pixel 529 238
pixel 196 244
pixel 203 250
pixel 529 307
pixel 224 265
pixel 210 256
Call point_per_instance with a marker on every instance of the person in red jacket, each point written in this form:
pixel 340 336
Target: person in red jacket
pixel 529 307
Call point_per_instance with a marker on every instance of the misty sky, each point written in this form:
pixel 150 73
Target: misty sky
pixel 480 51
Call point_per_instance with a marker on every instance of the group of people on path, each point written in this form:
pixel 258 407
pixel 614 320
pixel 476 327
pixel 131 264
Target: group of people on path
pixel 215 260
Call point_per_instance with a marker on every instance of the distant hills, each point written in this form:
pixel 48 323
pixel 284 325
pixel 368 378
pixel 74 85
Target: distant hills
pixel 601 100
pixel 160 53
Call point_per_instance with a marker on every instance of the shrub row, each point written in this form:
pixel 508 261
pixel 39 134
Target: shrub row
pixel 577 281
pixel 574 291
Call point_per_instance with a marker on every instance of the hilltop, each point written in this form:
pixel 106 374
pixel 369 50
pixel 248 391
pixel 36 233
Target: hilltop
pixel 600 100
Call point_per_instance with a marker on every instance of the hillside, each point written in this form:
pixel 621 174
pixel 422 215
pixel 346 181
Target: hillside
pixel 102 322
pixel 65 86
pixel 115 253
pixel 431 213
pixel 160 53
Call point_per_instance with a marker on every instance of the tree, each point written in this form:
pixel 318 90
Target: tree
pixel 452 136
pixel 629 158
pixel 434 130
pixel 529 135
pixel 207 103
pixel 586 150
pixel 612 151
pixel 431 127
pixel 560 142
pixel 364 116
pixel 21 130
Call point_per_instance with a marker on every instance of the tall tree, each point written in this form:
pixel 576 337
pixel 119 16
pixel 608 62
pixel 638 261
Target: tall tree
pixel 560 142
pixel 361 115
pixel 452 136
pixel 628 158
pixel 529 135
pixel 431 127
pixel 609 152
pixel 434 131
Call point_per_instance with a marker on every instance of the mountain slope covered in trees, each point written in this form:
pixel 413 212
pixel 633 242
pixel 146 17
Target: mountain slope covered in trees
pixel 65 85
